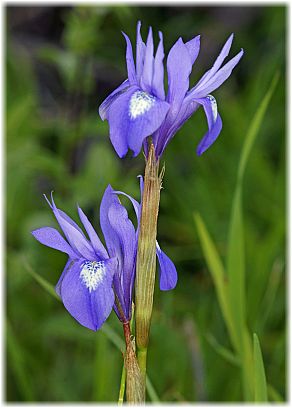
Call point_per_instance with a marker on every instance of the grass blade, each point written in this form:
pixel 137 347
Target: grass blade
pixel 17 364
pixel 260 383
pixel 47 286
pixel 222 351
pixel 217 271
pixel 255 126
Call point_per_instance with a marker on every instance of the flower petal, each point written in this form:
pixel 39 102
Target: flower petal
pixel 168 273
pixel 52 238
pixel 103 109
pixel 73 233
pixel 118 218
pixel 158 77
pixel 179 67
pixel 219 77
pixel 89 308
pixel 94 239
pixel 217 64
pixel 193 47
pixel 214 123
pixel 130 61
pixel 68 266
pixel 140 52
pixel 132 117
pixel 110 236
pixel 147 74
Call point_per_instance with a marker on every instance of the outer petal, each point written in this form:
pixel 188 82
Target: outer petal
pixel 158 77
pixel 90 309
pixel 140 52
pixel 130 61
pixel 94 239
pixel 52 238
pixel 147 74
pixel 214 123
pixel 168 274
pixel 103 109
pixel 68 266
pixel 132 117
pixel 193 47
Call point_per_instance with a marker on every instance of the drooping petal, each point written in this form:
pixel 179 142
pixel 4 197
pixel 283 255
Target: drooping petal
pixel 103 109
pixel 193 47
pixel 168 273
pixel 179 67
pixel 130 61
pixel 140 52
pixel 117 111
pixel 214 123
pixel 147 74
pixel 132 117
pixel 68 266
pixel 94 239
pixel 158 76
pixel 118 218
pixel 52 238
pixel 87 294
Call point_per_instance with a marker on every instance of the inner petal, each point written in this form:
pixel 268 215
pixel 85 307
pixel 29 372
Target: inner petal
pixel 140 103
pixel 92 274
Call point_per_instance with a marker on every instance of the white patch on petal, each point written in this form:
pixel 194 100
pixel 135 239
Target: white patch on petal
pixel 92 274
pixel 140 103
pixel 213 106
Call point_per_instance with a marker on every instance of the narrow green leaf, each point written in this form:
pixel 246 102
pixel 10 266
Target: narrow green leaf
pixel 273 394
pixel 255 126
pixel 151 390
pixel 216 269
pixel 49 288
pixel 235 267
pixel 222 351
pixel 17 364
pixel 260 384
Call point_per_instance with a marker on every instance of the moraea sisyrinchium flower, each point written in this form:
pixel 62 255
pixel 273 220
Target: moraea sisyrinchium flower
pixel 139 108
pixel 97 278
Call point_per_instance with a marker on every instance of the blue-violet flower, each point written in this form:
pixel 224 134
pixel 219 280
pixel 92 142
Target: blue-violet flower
pixel 139 107
pixel 98 278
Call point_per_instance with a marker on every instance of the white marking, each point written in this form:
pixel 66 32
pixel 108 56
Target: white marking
pixel 92 274
pixel 213 106
pixel 140 103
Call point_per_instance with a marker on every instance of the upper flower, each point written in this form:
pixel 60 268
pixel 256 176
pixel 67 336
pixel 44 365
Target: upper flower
pixel 98 278
pixel 139 107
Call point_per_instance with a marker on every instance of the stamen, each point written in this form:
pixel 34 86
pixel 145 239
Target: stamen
pixel 92 274
pixel 140 103
pixel 213 106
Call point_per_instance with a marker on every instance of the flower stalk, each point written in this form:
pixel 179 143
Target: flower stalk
pixel 146 258
pixel 134 385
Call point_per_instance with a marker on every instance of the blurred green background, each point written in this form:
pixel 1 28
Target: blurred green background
pixel 61 62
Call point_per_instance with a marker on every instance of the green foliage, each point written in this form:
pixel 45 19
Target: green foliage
pixel 61 63
pixel 260 383
pixel 230 285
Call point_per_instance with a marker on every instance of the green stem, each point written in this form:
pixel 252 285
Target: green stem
pixel 122 386
pixel 142 361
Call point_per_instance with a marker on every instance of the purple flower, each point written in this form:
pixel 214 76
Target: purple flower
pixel 97 278
pixel 139 107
